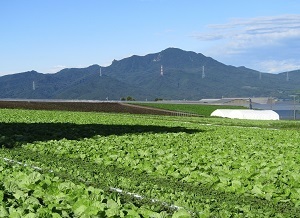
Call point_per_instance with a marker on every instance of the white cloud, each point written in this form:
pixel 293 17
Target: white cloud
pixel 273 66
pixel 256 32
pixel 259 40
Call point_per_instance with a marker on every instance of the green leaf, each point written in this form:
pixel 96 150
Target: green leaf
pixel 100 206
pixel 91 211
pixel 181 214
pixel 34 177
pixel 80 210
pixel 30 215
pixel 15 212
pixel 132 214
pixel 148 213
pixel 64 186
pixel 55 215
pixel 32 202
pixel 80 206
pixel 3 211
pixel 256 191
pixel 236 184
pixel 113 208
pixel 112 204
pixel 45 212
pixel 19 194
pixel 10 186
pixel 110 212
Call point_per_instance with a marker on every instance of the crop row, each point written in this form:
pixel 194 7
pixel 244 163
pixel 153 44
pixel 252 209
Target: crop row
pixel 24 192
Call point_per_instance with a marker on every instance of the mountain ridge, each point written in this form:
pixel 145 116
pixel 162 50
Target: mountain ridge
pixel 186 75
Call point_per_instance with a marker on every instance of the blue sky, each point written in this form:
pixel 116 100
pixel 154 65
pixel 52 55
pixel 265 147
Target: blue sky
pixel 48 35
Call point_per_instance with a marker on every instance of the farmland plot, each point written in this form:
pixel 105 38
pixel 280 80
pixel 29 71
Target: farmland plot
pixel 174 166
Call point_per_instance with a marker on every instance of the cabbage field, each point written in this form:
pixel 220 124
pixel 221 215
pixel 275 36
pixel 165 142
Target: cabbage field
pixel 88 164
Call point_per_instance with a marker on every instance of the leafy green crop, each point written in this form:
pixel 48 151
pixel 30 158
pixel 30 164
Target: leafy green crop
pixel 27 193
pixel 209 167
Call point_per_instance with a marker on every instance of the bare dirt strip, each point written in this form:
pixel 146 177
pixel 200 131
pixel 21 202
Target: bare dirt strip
pixel 109 107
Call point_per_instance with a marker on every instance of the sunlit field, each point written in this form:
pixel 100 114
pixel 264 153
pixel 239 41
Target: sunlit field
pixel 89 164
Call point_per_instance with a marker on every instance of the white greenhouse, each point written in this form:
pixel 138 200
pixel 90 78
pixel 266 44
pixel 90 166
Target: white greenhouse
pixel 246 114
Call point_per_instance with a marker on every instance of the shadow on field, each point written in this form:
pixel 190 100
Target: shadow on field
pixel 15 134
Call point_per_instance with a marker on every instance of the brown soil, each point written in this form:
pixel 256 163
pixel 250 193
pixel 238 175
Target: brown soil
pixel 113 107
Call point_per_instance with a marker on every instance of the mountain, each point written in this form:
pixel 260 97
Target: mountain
pixel 186 75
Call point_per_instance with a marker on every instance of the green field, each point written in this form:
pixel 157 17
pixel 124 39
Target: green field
pixel 204 110
pixel 74 164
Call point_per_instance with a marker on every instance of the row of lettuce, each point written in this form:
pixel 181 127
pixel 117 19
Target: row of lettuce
pixel 27 193
pixel 176 166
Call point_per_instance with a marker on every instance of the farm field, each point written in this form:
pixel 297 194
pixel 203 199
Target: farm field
pixel 86 106
pixel 88 164
pixel 204 110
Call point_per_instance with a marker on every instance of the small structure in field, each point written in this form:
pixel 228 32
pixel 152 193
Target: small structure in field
pixel 246 114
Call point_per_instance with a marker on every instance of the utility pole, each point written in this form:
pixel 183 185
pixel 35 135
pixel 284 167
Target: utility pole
pixel 294 96
pixel 250 104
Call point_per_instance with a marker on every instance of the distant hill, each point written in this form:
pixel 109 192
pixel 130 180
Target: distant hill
pixel 186 75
